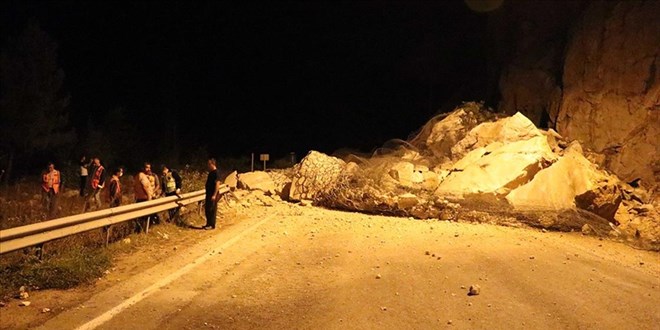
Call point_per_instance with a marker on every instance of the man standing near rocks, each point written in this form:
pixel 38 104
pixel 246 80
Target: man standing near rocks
pixel 212 190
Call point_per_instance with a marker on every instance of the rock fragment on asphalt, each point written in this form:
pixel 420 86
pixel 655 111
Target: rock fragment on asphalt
pixel 474 290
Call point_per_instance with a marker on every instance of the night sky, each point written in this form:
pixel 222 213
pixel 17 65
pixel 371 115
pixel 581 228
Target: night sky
pixel 265 76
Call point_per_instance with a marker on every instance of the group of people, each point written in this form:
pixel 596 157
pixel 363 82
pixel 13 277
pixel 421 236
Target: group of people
pixel 147 186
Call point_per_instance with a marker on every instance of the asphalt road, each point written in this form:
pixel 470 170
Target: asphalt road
pixel 293 267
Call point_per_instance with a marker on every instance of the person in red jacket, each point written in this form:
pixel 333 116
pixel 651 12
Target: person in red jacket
pixel 114 187
pixel 95 181
pixel 51 182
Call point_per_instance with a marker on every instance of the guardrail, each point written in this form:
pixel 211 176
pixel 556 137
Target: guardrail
pixel 38 233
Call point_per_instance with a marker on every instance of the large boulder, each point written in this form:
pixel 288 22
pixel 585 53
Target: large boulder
pixel 570 182
pixel 232 180
pixel 440 135
pixel 316 173
pixel 611 93
pixel 257 180
pixel 499 171
pixel 505 130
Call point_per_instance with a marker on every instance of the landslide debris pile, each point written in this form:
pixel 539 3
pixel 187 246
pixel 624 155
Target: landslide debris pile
pixel 475 165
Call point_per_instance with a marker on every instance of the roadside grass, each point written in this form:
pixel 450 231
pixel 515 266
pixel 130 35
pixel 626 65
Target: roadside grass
pixel 77 259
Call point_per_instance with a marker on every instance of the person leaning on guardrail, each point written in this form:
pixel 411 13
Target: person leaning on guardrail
pixel 171 186
pixel 156 192
pixel 143 192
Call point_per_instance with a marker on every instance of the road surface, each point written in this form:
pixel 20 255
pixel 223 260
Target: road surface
pixel 294 267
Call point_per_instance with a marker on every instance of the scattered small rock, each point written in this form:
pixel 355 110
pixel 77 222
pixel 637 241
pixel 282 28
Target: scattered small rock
pixel 450 322
pixel 531 257
pixel 45 310
pixel 233 296
pixel 428 253
pixel 23 295
pixel 378 276
pixel 586 229
pixel 2 304
pixel 474 290
pixel 126 241
pixel 383 308
pixel 24 303
pixel 641 263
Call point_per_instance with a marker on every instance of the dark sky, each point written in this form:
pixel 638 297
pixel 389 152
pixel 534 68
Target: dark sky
pixel 271 76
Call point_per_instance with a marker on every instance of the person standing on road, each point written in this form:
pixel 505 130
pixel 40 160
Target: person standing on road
pixel 83 171
pixel 50 184
pixel 212 191
pixel 114 188
pixel 171 186
pixel 94 185
pixel 143 192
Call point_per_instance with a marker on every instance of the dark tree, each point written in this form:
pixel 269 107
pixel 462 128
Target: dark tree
pixel 33 114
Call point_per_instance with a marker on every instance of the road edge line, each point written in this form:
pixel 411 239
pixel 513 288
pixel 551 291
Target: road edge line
pixel 108 315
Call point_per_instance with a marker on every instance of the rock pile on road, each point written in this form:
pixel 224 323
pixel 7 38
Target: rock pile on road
pixel 471 161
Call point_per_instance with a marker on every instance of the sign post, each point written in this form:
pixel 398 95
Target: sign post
pixel 264 158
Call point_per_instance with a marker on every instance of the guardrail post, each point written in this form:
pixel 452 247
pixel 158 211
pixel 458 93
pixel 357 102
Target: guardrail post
pixel 106 230
pixel 146 229
pixel 40 251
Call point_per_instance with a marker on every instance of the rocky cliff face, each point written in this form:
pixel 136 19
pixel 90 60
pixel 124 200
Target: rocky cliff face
pixel 608 96
pixel 611 95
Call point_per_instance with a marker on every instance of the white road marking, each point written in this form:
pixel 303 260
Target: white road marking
pixel 105 317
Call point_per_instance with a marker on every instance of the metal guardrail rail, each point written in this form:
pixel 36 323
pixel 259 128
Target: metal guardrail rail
pixel 38 233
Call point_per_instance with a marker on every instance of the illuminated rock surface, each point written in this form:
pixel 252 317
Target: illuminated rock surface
pixel 257 180
pixel 316 173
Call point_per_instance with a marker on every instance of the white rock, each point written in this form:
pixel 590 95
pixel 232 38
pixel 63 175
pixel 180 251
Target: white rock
pixel 498 172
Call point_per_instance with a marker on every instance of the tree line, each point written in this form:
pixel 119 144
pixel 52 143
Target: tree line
pixel 35 108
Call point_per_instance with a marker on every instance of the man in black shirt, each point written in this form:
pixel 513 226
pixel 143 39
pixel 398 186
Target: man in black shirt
pixel 212 188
